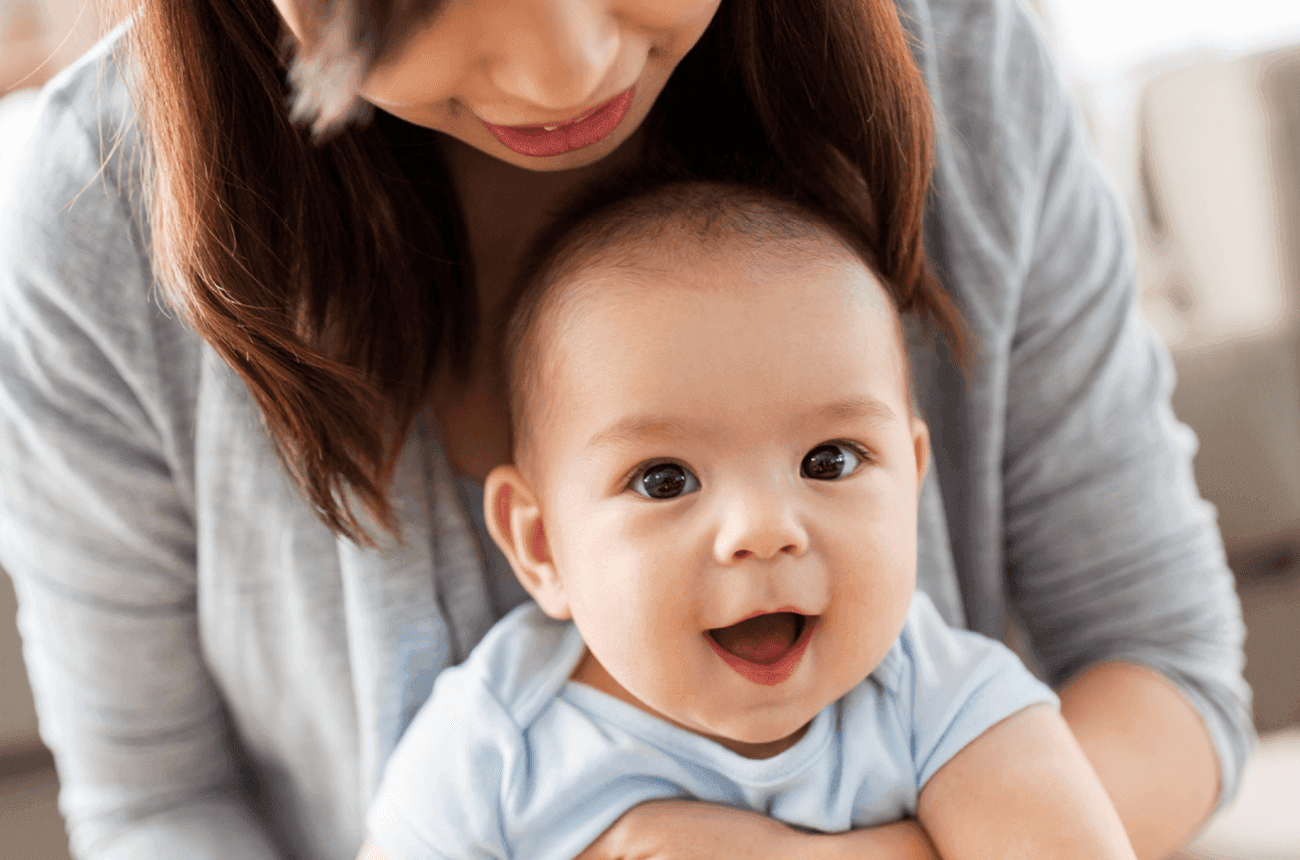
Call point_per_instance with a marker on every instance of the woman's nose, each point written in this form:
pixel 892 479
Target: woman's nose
pixel 554 54
pixel 761 525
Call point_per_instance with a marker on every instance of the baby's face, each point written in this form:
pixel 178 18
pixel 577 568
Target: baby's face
pixel 728 478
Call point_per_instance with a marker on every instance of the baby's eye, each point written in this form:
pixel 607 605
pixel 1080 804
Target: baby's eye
pixel 829 462
pixel 665 481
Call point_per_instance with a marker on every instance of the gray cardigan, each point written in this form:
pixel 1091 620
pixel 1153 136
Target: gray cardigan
pixel 218 676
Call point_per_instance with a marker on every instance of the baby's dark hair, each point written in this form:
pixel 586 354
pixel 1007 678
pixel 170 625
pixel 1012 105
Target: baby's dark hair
pixel 611 226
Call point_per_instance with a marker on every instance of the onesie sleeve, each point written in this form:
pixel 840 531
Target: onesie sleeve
pixel 953 685
pixel 96 524
pixel 443 788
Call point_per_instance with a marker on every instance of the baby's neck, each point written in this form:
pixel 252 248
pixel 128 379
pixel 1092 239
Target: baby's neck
pixel 590 672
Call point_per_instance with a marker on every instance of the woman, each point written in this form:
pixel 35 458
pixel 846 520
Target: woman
pixel 222 510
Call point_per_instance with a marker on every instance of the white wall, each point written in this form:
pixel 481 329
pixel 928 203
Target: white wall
pixel 1099 39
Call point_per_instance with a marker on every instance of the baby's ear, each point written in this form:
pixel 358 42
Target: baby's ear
pixel 921 445
pixel 515 520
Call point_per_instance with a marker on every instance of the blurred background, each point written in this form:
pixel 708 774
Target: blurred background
pixel 1194 108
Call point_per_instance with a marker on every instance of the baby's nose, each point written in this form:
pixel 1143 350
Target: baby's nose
pixel 789 548
pixel 760 527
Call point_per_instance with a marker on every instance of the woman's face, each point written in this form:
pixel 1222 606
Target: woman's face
pixel 540 84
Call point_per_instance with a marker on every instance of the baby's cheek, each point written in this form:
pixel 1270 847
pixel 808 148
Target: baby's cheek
pixel 645 652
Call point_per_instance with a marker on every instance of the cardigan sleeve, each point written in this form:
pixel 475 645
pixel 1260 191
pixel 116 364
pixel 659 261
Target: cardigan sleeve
pixel 1111 552
pixel 96 525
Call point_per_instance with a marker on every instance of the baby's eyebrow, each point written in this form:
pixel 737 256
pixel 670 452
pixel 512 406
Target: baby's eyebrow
pixel 638 429
pixel 851 408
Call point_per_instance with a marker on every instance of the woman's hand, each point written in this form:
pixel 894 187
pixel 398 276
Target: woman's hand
pixel 691 830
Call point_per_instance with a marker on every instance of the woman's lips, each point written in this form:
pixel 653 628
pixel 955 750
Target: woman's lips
pixel 542 141
pixel 774 667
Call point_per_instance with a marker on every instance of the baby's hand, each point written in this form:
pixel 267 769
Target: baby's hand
pixel 690 830
pixel 370 851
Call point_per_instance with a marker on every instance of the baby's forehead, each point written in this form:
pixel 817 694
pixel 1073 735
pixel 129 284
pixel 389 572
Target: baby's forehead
pixel 640 267
pixel 701 275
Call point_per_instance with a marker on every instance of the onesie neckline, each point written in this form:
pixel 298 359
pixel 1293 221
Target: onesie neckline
pixel 687 745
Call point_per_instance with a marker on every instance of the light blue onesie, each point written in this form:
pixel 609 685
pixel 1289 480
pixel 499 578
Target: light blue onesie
pixel 511 759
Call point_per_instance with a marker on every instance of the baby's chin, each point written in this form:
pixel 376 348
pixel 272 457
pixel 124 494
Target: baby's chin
pixel 760 738
pixel 761 728
pixel 759 731
pixel 773 725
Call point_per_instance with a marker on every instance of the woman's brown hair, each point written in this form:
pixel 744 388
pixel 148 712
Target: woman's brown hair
pixel 332 275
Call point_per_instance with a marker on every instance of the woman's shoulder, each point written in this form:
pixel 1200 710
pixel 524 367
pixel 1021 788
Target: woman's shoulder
pixel 986 63
pixel 79 167
pixel 1007 143
pixel 975 35
pixel 77 287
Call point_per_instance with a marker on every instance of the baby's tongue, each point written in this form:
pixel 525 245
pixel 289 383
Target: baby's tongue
pixel 761 639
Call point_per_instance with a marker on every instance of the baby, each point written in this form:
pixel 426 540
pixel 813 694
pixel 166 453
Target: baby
pixel 713 503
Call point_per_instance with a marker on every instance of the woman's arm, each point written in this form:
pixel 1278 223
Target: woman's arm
pixel 1022 789
pixel 1116 568
pixel 1151 750
pixel 95 523
pixel 1114 563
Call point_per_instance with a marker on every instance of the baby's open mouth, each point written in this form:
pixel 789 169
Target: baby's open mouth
pixel 763 639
